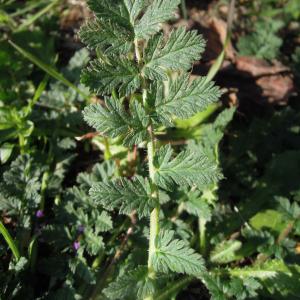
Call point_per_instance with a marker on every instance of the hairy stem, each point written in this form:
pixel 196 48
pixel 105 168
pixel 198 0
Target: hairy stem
pixel 202 235
pixel 154 217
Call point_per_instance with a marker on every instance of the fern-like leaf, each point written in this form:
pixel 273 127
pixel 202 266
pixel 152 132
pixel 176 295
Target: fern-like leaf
pixel 187 99
pixel 132 285
pixel 125 194
pixel 179 52
pixel 197 205
pixel 114 121
pixel 158 12
pixel 186 169
pixel 134 8
pixel 111 11
pixel 270 269
pixel 103 78
pixel 110 38
pixel 174 255
pixel 103 222
pixel 275 275
pixel 225 252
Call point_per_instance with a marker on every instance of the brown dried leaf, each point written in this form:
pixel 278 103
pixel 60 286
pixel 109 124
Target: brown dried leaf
pixel 276 88
pixel 258 67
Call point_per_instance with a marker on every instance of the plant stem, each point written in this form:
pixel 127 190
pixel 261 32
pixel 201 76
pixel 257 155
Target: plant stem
pixel 107 153
pixel 22 144
pixel 154 217
pixel 184 10
pixel 173 288
pixel 10 242
pixel 202 235
pixel 45 179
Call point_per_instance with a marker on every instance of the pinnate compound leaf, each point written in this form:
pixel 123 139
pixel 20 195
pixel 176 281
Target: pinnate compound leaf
pixel 225 252
pixel 120 75
pixel 186 98
pixel 103 222
pixel 174 255
pixel 132 285
pixel 111 121
pixel 186 169
pixel 212 134
pixel 109 37
pixel 134 8
pixel 232 288
pixel 178 53
pixel 114 121
pixel 126 194
pixel 275 275
pixel 268 270
pixel 197 205
pixel 111 11
pixel 157 12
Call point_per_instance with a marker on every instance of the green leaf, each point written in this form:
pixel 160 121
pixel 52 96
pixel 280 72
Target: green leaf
pixel 83 271
pixel 103 222
pixel 48 69
pixel 109 37
pixel 174 255
pixel 186 169
pixel 264 42
pixel 158 12
pixel 22 180
pixel 212 134
pixel 93 242
pixel 125 194
pixel 5 152
pixel 290 211
pixel 232 288
pixel 197 205
pixel 102 78
pixel 114 121
pixel 281 280
pixel 179 52
pixel 268 219
pixel 109 11
pixel 215 287
pixel 100 172
pixel 134 8
pixel 268 270
pixel 186 99
pixel 132 285
pixel 225 252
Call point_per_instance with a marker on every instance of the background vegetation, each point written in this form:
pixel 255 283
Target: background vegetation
pixel 56 243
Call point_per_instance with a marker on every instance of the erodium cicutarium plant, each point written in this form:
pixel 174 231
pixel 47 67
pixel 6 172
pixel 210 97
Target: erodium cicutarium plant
pixel 144 77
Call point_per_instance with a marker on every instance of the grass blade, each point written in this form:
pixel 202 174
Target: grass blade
pixel 220 59
pixel 36 16
pixel 48 69
pixel 10 242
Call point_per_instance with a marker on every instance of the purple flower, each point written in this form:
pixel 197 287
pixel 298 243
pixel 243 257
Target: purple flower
pixel 76 245
pixel 39 214
pixel 80 229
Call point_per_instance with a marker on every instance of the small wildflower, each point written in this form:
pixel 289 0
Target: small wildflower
pixel 39 214
pixel 76 245
pixel 80 228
